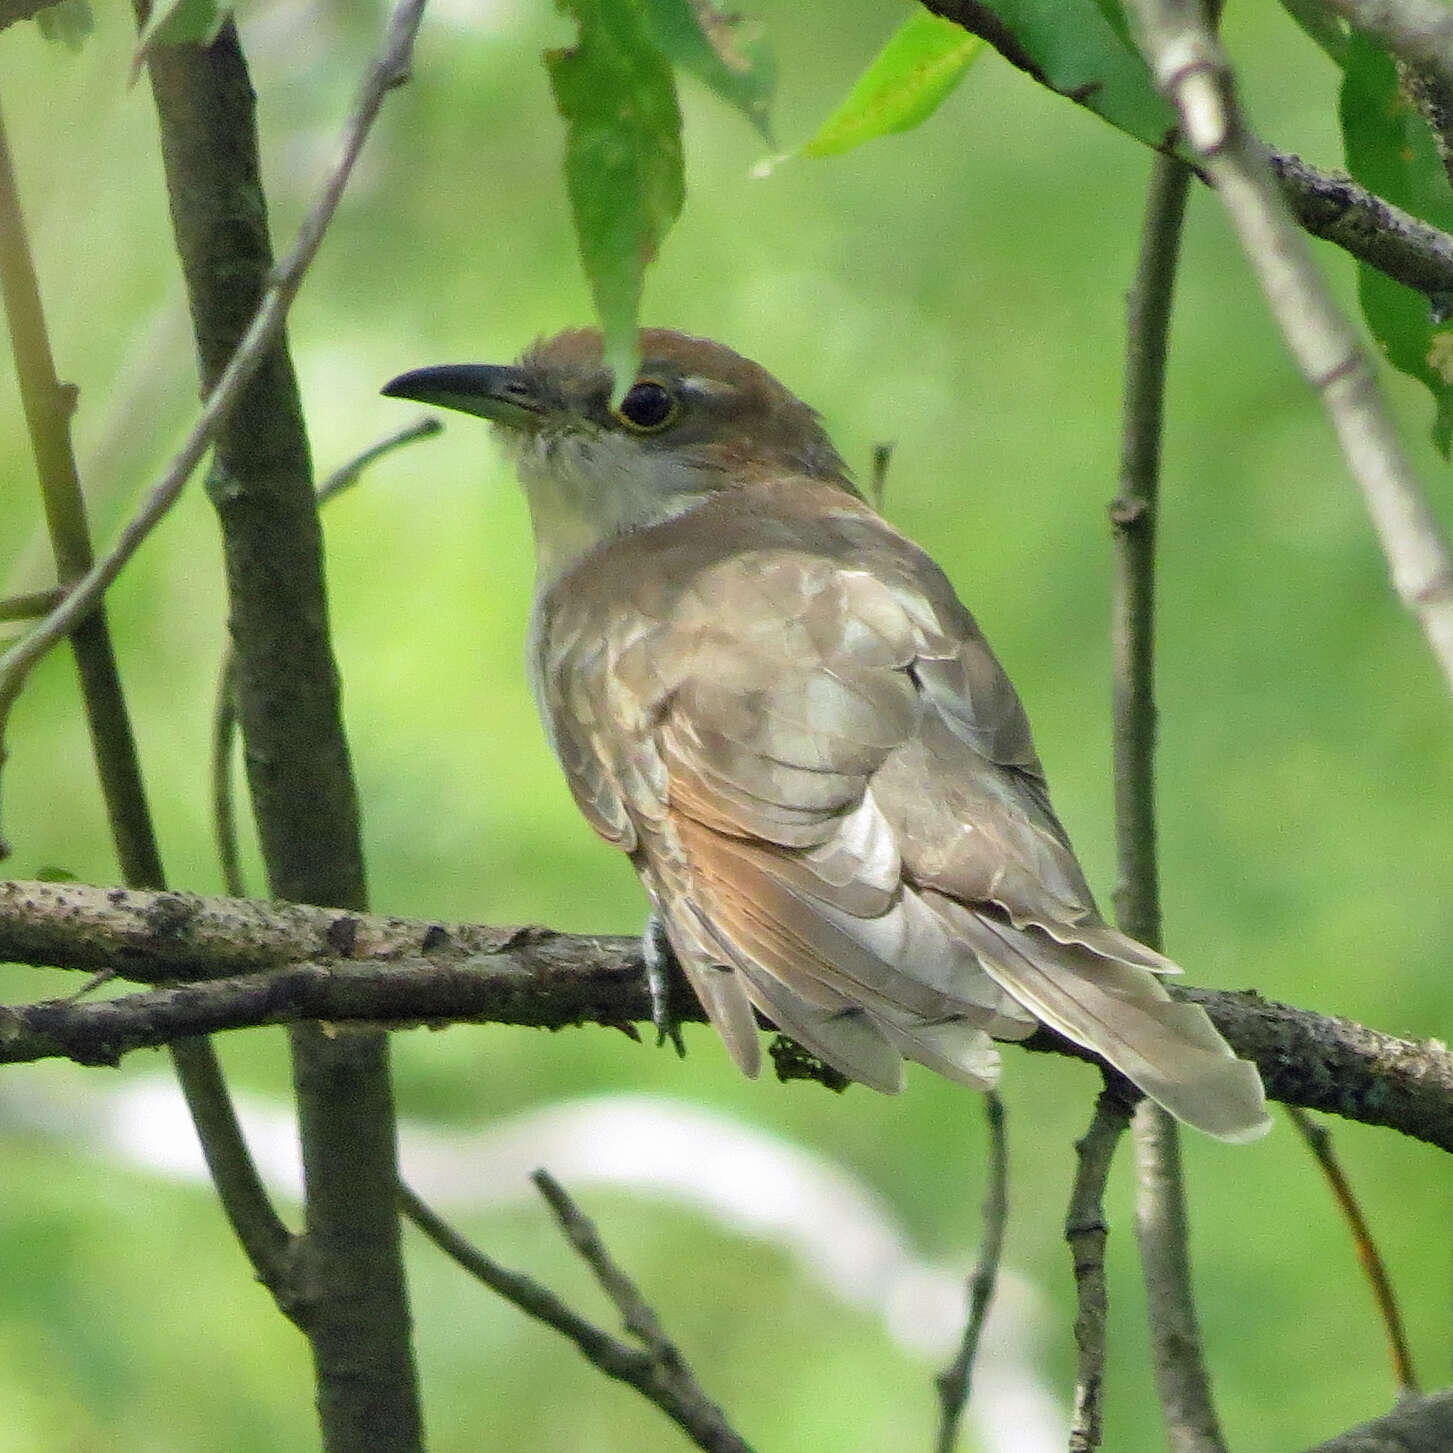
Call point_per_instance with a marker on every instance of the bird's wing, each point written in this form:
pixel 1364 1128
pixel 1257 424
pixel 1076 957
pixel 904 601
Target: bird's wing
pixel 830 789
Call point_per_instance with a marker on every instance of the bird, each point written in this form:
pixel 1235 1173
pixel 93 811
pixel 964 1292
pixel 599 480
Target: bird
pixel 776 704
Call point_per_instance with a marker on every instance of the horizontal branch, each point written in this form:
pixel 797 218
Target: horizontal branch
pixel 1328 205
pixel 235 963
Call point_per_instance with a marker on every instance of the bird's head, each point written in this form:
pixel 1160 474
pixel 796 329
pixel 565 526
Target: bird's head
pixel 697 420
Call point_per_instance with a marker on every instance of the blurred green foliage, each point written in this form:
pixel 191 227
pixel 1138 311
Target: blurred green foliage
pixel 958 290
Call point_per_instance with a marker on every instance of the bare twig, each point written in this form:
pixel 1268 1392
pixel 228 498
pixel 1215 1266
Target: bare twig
pixel 1338 210
pixel 27 607
pixel 1333 207
pixel 281 962
pixel 352 1300
pixel 613 1357
pixel 671 1385
pixel 1133 523
pixel 954 1381
pixel 1319 1142
pixel 347 475
pixel 1182 1381
pixel 656 1369
pixel 224 710
pixel 1163 1236
pixel 1086 1230
pixel 48 406
pixel 388 70
pixel 1191 69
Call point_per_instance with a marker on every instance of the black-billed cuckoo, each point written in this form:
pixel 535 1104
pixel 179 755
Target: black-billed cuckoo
pixel 776 704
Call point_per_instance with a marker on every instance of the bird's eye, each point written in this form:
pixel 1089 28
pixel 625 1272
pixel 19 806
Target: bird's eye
pixel 649 407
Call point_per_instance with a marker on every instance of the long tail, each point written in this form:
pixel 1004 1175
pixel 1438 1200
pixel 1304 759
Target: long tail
pixel 1170 1049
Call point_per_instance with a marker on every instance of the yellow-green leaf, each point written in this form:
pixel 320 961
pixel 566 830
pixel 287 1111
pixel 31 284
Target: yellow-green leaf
pixel 908 80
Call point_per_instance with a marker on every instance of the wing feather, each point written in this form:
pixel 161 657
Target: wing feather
pixel 829 787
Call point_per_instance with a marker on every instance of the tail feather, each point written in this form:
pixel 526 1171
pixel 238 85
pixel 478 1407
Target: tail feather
pixel 1170 1049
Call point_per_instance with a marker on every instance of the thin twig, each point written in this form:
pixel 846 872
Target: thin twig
pixel 1086 1230
pixel 48 407
pixel 28 607
pixel 1330 206
pixel 1162 1231
pixel 388 70
pixel 224 710
pixel 1191 69
pixel 347 475
pixel 656 1369
pixel 954 1381
pixel 1319 1142
pixel 261 1232
pixel 1133 518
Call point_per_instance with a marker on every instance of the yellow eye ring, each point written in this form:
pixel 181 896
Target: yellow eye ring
pixel 649 407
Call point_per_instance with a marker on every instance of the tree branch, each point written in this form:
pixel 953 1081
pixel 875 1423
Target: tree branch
pixel 1086 1231
pixel 1191 69
pixel 1332 207
pixel 1319 1142
pixel 48 406
pixel 1161 1225
pixel 1162 1232
pixel 670 1383
pixel 350 1295
pixel 954 1381
pixel 278 963
pixel 253 345
pixel 672 1388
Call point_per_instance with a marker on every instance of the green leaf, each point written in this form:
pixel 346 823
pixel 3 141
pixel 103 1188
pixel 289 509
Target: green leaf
pixel 52 874
pixel 179 22
pixel 1083 50
pixel 623 166
pixel 66 23
pixel 1389 150
pixel 924 59
pixel 1322 27
pixel 1082 55
pixel 728 53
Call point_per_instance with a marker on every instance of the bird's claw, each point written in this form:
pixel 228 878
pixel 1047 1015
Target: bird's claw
pixel 661 968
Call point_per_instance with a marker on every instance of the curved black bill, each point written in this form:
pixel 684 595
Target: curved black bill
pixel 500 392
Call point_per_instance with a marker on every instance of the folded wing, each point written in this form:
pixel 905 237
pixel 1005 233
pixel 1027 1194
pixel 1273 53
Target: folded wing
pixel 829 788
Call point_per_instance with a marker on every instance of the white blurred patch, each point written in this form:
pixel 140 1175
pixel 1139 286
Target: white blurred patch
pixel 749 1182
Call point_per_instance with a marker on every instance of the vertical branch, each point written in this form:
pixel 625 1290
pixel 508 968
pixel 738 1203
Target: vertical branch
pixel 1086 1231
pixel 1192 72
pixel 1133 522
pixel 48 404
pixel 1162 1233
pixel 1161 1228
pixel 351 1297
pixel 954 1380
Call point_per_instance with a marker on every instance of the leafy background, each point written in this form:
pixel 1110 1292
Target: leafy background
pixel 958 290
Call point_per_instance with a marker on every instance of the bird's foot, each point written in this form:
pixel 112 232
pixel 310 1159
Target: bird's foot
pixel 662 968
